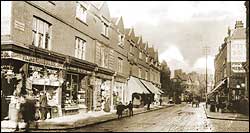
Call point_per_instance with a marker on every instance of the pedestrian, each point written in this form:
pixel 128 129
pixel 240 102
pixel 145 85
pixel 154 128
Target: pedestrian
pixel 130 107
pixel 160 101
pixel 119 109
pixel 149 102
pixel 28 110
pixel 193 101
pixel 197 102
pixel 43 105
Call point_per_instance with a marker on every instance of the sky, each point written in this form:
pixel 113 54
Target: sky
pixel 181 29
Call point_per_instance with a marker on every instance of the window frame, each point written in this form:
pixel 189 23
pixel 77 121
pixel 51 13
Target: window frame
pixel 105 29
pixel 121 38
pixel 41 33
pixel 80 48
pixel 120 65
pixel 81 13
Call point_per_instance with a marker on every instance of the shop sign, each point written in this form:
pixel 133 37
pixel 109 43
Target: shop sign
pixel 79 70
pixel 237 68
pixel 120 79
pixel 103 76
pixel 19 25
pixel 42 81
pixel 31 59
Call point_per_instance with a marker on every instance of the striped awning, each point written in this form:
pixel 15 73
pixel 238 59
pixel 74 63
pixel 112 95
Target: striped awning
pixel 135 86
pixel 151 87
pixel 218 86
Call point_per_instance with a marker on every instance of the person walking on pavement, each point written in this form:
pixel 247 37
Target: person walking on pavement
pixel 149 102
pixel 43 105
pixel 130 107
pixel 119 108
pixel 160 101
pixel 28 110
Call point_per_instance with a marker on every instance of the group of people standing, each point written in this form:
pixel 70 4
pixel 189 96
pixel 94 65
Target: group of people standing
pixel 120 108
pixel 30 109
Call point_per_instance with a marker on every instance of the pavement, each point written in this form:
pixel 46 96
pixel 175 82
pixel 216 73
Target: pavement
pixel 225 116
pixel 74 121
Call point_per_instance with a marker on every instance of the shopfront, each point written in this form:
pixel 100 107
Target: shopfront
pixel 25 72
pixel 102 91
pixel 119 91
pixel 137 92
pixel 77 90
pixel 48 80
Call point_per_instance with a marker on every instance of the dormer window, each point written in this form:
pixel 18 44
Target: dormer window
pixel 105 29
pixel 121 40
pixel 140 55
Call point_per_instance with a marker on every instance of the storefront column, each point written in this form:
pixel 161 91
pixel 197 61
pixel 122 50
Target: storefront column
pixel 61 80
pixel 60 101
pixel 93 83
pixel 111 93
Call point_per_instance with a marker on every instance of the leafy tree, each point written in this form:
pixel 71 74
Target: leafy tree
pixel 165 79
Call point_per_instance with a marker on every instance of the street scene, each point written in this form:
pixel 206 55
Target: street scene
pixel 124 66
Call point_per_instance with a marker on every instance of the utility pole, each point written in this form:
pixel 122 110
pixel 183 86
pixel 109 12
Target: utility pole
pixel 206 51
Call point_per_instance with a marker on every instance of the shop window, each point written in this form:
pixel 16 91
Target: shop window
pixel 81 12
pixel 41 33
pixel 71 90
pixel 80 48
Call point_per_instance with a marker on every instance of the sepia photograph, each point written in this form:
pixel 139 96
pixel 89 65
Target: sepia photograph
pixel 124 66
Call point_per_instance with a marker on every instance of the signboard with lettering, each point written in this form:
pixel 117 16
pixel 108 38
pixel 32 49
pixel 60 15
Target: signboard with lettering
pixel 238 51
pixel 31 59
pixel 79 70
pixel 237 67
pixel 19 25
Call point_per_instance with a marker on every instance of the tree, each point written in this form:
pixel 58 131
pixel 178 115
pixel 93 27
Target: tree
pixel 165 78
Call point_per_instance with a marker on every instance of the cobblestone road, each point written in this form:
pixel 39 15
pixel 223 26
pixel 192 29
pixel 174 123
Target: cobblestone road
pixel 179 118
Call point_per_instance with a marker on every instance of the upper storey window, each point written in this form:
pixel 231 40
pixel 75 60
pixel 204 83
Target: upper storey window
pixel 41 33
pixel 81 12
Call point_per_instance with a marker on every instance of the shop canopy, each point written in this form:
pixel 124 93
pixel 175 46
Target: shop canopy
pixel 158 89
pixel 151 87
pixel 218 86
pixel 135 86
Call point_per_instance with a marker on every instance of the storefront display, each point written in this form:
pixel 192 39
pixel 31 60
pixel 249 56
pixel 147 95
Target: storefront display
pixel 71 98
pixel 118 94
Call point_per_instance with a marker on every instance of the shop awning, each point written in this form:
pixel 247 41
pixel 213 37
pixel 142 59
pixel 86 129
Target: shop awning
pixel 135 86
pixel 159 89
pixel 218 86
pixel 151 87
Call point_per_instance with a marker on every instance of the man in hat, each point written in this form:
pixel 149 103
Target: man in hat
pixel 43 105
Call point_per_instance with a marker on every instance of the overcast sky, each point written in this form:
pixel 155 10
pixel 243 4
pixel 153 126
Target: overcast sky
pixel 179 29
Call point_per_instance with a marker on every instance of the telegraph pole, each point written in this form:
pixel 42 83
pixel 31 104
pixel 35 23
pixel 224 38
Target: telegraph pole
pixel 206 51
